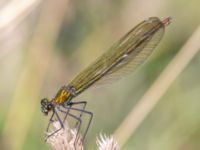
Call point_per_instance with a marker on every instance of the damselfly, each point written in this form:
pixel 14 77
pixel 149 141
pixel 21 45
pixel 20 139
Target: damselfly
pixel 125 55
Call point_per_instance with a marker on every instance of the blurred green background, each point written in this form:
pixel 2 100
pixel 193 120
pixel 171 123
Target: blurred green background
pixel 44 44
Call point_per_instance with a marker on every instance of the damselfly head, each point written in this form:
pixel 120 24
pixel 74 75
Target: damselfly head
pixel 46 106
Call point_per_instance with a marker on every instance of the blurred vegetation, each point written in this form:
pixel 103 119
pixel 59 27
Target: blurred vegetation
pixel 49 42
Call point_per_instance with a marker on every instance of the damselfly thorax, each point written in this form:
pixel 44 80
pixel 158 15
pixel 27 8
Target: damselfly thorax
pixel 64 95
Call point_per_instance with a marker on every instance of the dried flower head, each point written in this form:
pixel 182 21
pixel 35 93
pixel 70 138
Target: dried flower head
pixel 106 143
pixel 64 139
pixel 68 139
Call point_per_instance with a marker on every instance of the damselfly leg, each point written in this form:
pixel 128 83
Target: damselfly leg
pixel 81 112
pixel 65 112
pixel 54 117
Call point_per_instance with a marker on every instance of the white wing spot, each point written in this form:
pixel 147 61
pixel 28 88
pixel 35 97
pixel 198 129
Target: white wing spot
pixel 138 32
pixel 125 55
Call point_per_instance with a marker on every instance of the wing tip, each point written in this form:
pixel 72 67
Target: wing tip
pixel 167 21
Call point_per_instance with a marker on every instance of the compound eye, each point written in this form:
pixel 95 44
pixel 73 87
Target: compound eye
pixel 49 106
pixel 44 101
pixel 45 111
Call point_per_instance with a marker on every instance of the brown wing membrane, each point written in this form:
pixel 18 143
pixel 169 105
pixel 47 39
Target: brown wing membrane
pixel 125 55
